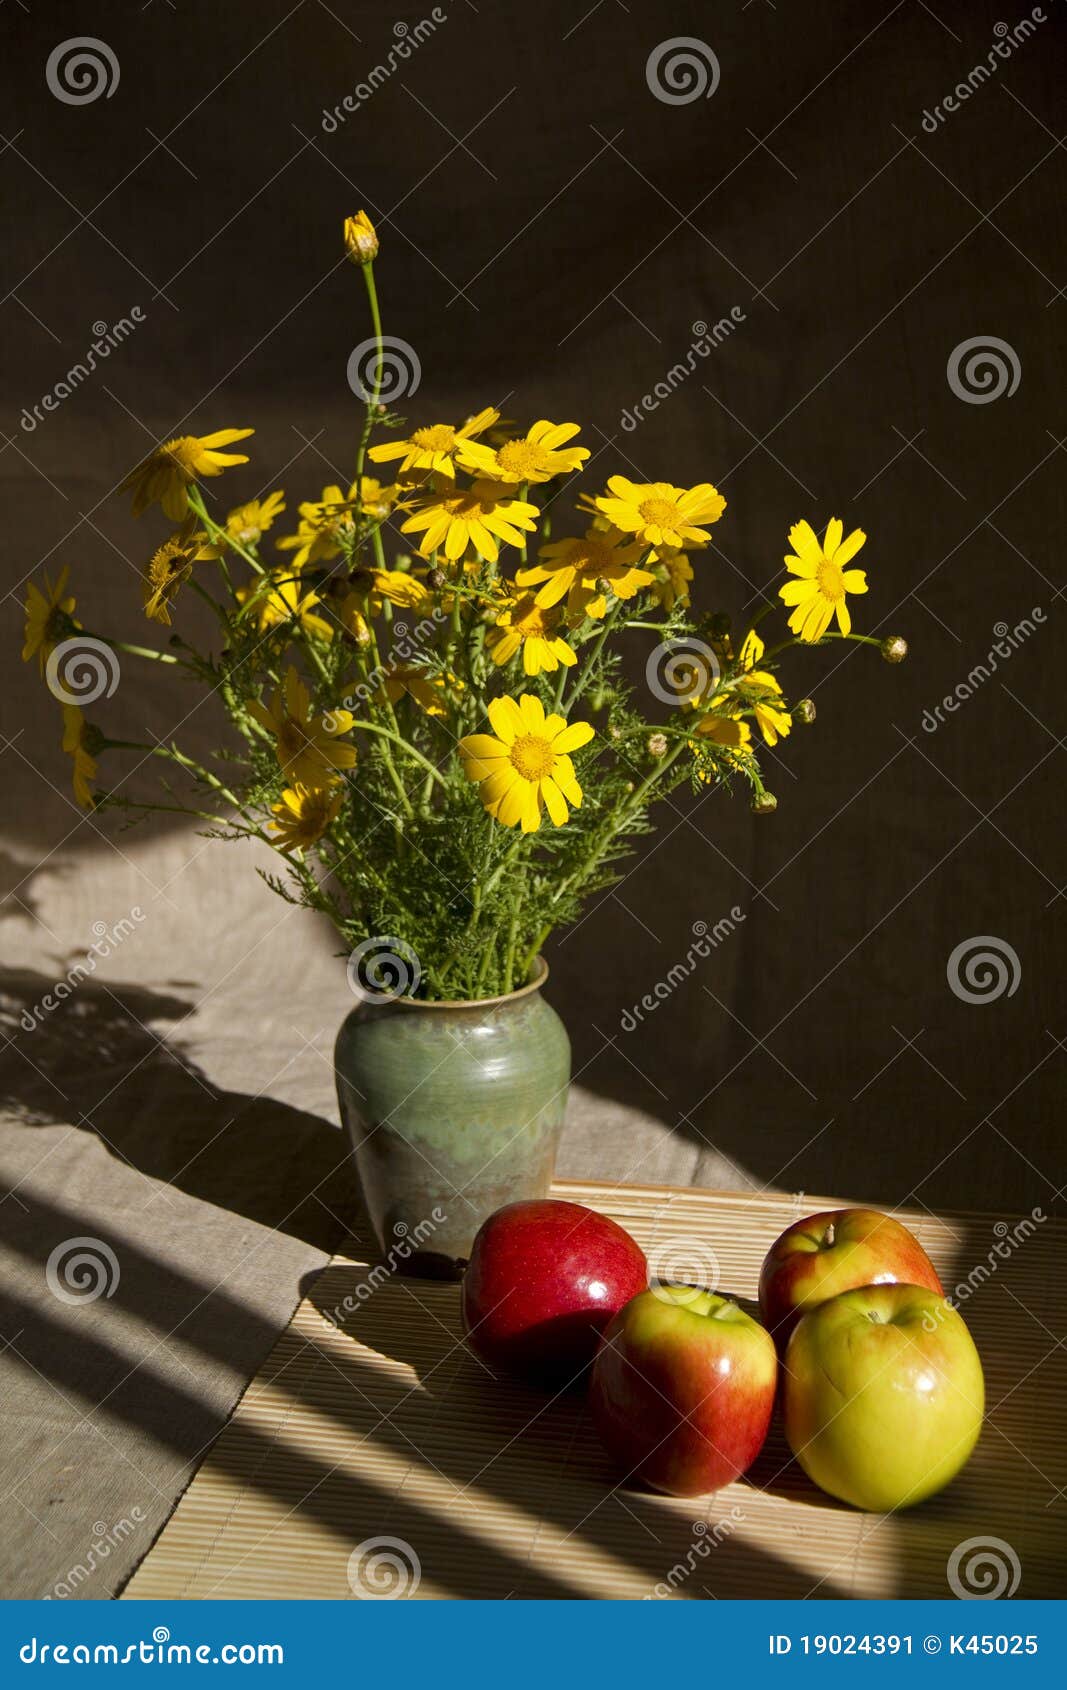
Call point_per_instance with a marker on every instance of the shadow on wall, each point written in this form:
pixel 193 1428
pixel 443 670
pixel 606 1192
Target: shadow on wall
pixel 95 1063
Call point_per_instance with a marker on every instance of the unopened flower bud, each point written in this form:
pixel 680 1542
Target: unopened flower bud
pixel 763 804
pixel 361 240
pixel 804 711
pixel 894 649
pixel 93 740
pixel 657 745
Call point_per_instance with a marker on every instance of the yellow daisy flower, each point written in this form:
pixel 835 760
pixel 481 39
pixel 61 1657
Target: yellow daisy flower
pixel 536 457
pixel 572 568
pixel 729 732
pixel 772 719
pixel 430 692
pixel 84 772
pixel 752 649
pixel 164 476
pixel 398 587
pixel 378 498
pixel 524 623
pixel 303 814
pixel 526 767
pixel 284 602
pixel 659 514
pixel 432 450
pixel 247 524
pixel 479 516
pixel 305 744
pixel 673 575
pixel 322 525
pixel 166 571
pixel 819 594
pixel 46 617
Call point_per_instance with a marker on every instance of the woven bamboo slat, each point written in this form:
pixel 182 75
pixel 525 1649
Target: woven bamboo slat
pixel 388 1428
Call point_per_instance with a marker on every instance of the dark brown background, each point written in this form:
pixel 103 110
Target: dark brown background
pixel 550 234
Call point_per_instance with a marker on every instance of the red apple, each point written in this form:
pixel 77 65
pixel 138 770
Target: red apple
pixel 682 1390
pixel 544 1279
pixel 833 1252
pixel 882 1395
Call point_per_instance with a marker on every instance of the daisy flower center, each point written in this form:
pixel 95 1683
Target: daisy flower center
pixel 532 757
pixel 182 454
pixel 521 459
pixel 830 581
pixel 439 438
pixel 535 621
pixel 658 513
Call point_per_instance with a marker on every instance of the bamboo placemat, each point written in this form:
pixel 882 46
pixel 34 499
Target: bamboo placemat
pixel 389 1429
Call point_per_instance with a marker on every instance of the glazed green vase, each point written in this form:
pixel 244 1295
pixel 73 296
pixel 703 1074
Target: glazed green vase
pixel 453 1109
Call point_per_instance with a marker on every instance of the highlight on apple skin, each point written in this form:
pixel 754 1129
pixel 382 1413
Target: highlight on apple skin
pixel 544 1278
pixel 682 1390
pixel 837 1250
pixel 882 1395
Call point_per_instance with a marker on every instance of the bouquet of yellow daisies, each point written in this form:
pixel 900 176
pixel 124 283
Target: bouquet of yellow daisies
pixel 440 745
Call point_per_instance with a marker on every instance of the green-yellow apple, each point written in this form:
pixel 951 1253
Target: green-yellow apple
pixel 832 1252
pixel 682 1389
pixel 882 1395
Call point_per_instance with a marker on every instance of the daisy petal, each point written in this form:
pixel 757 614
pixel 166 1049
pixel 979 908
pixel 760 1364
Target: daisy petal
pixel 555 803
pixel 506 718
pixel 578 734
pixel 849 547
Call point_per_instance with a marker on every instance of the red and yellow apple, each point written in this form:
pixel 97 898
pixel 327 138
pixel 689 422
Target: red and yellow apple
pixel 882 1395
pixel 833 1252
pixel 543 1281
pixel 682 1389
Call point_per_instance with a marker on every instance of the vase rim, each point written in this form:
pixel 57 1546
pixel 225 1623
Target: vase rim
pixel 534 985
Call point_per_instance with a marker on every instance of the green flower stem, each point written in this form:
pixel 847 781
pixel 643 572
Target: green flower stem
pixel 787 645
pixel 172 753
pixel 588 668
pixel 141 651
pixel 203 593
pixel 433 772
pixel 372 403
pixel 765 610
pixel 626 812
pixel 196 504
